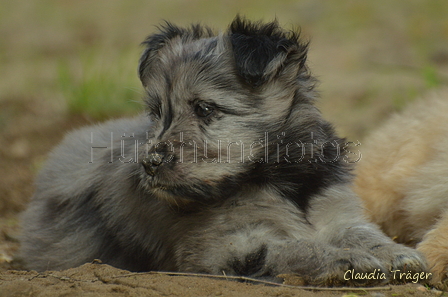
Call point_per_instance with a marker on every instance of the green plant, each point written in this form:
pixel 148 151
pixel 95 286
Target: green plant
pixel 431 76
pixel 100 87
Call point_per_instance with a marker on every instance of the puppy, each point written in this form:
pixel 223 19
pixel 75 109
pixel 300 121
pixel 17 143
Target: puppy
pixel 233 170
pixel 403 179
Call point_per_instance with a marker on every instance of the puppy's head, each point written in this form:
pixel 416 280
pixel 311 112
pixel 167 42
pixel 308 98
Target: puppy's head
pixel 212 99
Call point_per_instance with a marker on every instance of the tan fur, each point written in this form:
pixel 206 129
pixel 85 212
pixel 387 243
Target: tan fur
pixel 403 178
pixel 435 248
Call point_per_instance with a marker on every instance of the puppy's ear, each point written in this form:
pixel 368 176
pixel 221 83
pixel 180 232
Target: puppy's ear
pixel 153 44
pixel 263 50
pixel 167 31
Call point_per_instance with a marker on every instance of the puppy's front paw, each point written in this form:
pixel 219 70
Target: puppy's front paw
pixel 351 267
pixel 405 264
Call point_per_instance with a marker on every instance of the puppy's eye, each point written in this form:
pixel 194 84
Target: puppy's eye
pixel 203 109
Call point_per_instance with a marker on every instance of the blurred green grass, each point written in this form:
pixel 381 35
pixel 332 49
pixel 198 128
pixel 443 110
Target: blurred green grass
pixel 99 89
pixel 80 57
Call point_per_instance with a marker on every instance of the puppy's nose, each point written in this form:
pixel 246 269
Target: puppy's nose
pixel 152 162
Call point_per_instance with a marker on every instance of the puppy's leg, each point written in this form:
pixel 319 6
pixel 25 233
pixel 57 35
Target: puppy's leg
pixel 326 265
pixel 338 218
pixel 260 250
pixel 435 246
pixel 267 235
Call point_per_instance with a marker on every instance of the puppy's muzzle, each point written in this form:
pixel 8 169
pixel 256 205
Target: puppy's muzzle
pixel 152 162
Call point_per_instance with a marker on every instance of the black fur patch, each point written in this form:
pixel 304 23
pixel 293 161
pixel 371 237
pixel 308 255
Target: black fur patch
pixel 256 44
pixel 57 208
pixel 300 177
pixel 252 263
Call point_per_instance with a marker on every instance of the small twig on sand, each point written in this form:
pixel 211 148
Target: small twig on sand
pixel 245 278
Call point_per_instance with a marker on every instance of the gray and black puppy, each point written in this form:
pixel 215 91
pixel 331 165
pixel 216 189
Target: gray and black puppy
pixel 232 171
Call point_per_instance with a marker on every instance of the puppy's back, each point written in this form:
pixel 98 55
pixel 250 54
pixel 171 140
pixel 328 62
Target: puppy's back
pixel 63 213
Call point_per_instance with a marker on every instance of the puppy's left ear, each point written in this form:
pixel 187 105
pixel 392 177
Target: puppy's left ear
pixel 263 50
pixel 157 42
pixel 153 44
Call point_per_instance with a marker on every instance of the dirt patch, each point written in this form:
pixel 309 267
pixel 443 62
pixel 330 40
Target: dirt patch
pixel 29 133
pixel 104 280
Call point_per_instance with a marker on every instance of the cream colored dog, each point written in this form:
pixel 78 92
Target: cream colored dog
pixel 403 179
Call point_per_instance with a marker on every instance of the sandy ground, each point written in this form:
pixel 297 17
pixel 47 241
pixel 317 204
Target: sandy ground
pixel 104 280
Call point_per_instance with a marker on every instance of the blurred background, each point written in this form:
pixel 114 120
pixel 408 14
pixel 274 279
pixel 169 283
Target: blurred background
pixel 68 63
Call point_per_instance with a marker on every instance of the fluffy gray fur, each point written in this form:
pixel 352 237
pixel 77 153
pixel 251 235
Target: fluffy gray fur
pixel 149 196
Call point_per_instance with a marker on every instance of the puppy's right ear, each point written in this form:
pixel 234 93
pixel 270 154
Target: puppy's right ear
pixel 262 50
pixel 153 44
